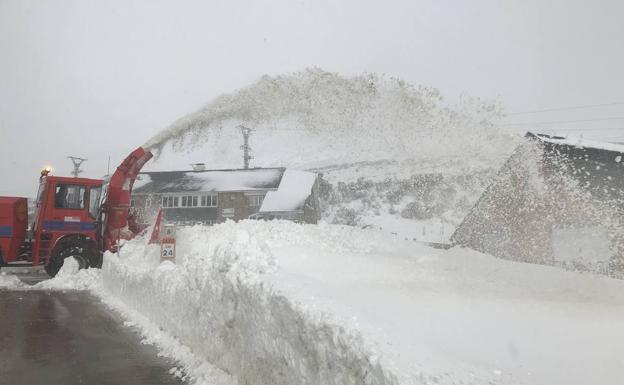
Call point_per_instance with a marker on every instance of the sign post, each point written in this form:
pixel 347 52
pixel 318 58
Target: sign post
pixel 168 243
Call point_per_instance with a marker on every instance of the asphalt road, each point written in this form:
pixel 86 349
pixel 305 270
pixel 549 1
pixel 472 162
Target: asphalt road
pixel 67 338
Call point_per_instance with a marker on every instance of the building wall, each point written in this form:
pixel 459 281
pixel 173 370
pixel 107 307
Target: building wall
pixel 208 215
pixel 147 207
pixel 236 202
pixel 235 205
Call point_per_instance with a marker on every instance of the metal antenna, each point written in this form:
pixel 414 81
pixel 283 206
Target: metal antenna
pixel 77 162
pixel 246 131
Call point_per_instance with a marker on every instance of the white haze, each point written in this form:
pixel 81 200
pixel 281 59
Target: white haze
pixel 93 79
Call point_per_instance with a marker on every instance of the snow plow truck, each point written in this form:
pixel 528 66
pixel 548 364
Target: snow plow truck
pixel 74 217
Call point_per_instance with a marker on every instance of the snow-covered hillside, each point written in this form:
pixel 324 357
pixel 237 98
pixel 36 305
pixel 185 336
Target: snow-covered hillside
pixel 364 130
pixel 282 303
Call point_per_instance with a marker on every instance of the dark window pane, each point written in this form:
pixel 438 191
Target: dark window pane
pixel 69 196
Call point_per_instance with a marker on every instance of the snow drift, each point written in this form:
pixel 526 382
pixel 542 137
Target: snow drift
pixel 215 302
pixel 282 303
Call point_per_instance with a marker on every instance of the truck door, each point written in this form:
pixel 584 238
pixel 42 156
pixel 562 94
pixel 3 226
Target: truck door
pixel 70 210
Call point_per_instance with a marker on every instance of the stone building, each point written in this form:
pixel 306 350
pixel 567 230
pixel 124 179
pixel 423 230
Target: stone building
pixel 213 196
pixel 555 201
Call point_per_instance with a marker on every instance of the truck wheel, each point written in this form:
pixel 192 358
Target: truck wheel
pixel 96 259
pixel 79 253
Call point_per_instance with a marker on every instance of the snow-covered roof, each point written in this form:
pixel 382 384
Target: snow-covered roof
pixel 208 180
pixel 579 142
pixel 294 189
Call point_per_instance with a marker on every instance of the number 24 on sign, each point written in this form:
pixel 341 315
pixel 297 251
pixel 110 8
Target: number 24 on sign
pixel 167 249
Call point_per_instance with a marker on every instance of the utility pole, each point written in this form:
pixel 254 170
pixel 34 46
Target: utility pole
pixel 246 131
pixel 77 162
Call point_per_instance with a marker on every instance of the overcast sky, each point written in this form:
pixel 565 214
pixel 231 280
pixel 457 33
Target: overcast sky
pixel 98 78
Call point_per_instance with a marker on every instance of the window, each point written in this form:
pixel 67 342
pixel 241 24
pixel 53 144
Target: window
pixel 189 201
pixel 208 201
pixel 169 201
pixel 94 201
pixel 69 196
pixel 255 200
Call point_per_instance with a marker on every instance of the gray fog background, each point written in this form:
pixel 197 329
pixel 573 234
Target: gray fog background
pixel 98 78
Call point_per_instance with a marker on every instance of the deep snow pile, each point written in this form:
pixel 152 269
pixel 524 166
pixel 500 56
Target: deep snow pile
pixel 192 367
pixel 282 303
pixel 216 302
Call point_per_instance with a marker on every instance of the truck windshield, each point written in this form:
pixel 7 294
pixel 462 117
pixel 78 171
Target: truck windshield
pixel 69 196
pixel 94 201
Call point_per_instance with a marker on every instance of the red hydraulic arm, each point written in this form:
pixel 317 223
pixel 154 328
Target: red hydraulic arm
pixel 117 202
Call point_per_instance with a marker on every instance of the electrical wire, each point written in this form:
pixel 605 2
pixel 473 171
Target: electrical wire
pixel 590 129
pixel 563 121
pixel 566 108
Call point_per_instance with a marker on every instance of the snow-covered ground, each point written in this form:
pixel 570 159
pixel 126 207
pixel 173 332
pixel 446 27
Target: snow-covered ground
pixel 8 281
pixel 283 303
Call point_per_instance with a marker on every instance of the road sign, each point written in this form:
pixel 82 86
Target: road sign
pixel 168 243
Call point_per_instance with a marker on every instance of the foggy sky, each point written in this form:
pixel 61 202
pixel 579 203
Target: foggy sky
pixel 98 78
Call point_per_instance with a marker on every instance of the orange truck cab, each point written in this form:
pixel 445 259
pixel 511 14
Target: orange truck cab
pixel 74 217
pixel 66 214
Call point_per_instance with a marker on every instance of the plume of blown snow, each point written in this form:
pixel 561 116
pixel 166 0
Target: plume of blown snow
pixel 315 118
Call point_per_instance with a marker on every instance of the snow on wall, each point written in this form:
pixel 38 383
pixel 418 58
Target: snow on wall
pixel 214 302
pixel 585 143
pixel 535 197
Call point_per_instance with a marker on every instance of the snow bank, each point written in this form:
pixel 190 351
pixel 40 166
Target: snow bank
pixel 192 367
pixel 68 279
pixel 283 303
pixel 215 301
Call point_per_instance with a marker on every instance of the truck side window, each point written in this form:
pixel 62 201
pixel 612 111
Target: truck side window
pixel 69 196
pixel 94 201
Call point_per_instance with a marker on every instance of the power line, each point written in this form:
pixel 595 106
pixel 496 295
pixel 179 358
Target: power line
pixel 563 121
pixel 567 108
pixel 590 128
pixel 612 137
pixel 76 162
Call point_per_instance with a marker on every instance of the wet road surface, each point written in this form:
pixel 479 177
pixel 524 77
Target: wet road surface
pixel 67 338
